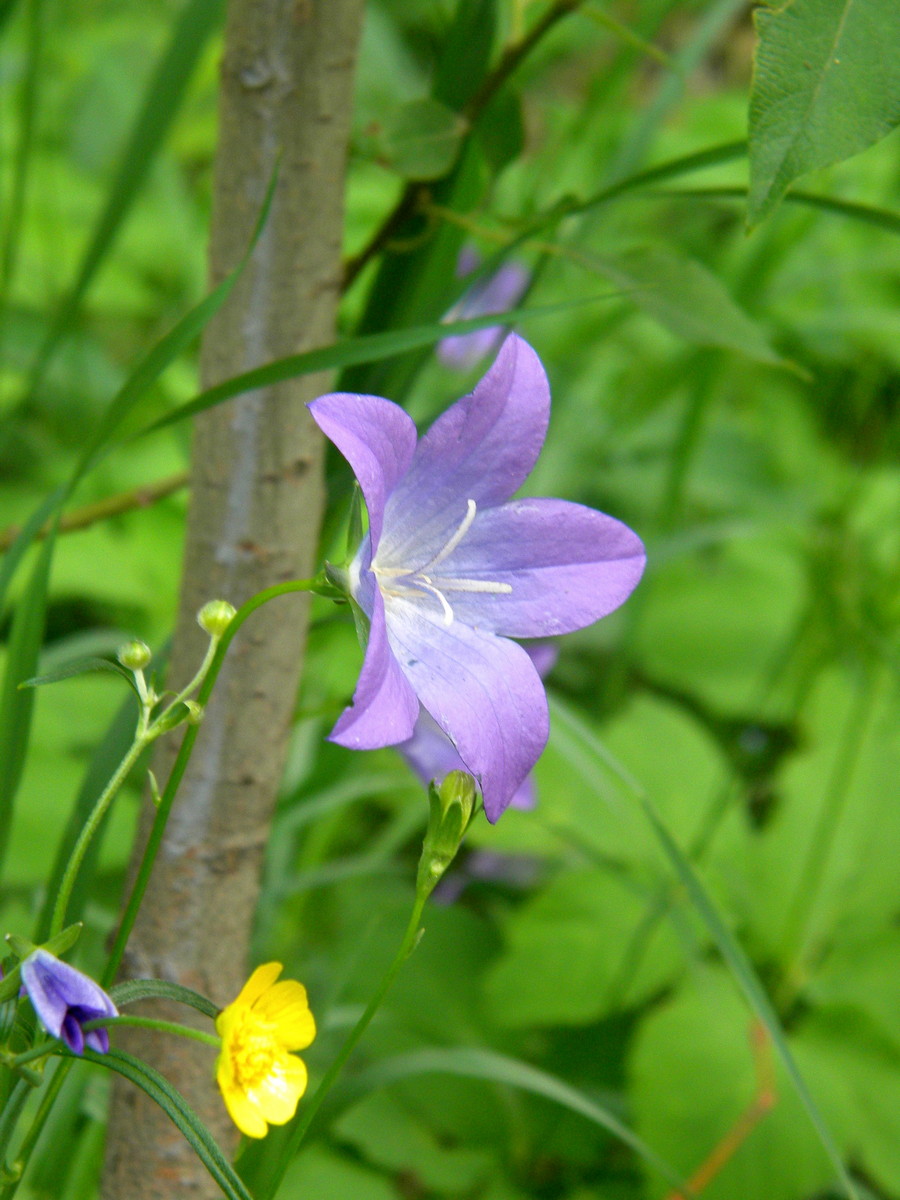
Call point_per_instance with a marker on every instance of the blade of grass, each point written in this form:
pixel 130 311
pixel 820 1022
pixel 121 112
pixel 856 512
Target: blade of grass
pixel 34 38
pixel 366 348
pixel 476 1063
pixel 882 218
pixel 195 24
pixel 730 949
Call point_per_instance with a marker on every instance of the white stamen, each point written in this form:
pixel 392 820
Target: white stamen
pixel 425 586
pixel 472 585
pixel 464 527
pixel 417 578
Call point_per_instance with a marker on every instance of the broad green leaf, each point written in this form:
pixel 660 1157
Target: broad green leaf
pixel 423 139
pixel 181 1114
pixel 688 300
pixel 692 1078
pixel 132 990
pixel 826 85
pixel 321 1172
pixel 568 947
pixel 391 1136
pixel 475 1063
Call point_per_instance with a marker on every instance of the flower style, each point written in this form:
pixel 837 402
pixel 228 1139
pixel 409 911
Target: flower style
pixel 260 1081
pixel 432 756
pixel 64 999
pixel 494 294
pixel 451 570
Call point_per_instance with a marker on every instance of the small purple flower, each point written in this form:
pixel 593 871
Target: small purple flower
pixel 64 999
pixel 432 756
pixel 451 570
pixel 494 294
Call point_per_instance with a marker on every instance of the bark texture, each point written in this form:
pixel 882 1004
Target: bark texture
pixel 286 90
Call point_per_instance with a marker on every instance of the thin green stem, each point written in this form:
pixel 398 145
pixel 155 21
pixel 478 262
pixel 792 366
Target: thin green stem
pixel 90 828
pixel 179 767
pixel 37 1125
pixel 10 1115
pixel 409 943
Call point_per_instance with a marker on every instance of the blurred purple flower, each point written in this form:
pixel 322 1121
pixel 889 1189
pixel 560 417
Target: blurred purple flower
pixel 64 999
pixel 451 569
pixel 432 756
pixel 493 294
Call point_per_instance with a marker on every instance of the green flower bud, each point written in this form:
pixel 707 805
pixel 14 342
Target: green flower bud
pixel 134 655
pixel 195 712
pixel 215 617
pixel 451 807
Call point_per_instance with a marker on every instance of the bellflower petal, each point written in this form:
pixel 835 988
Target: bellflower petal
pixel 565 565
pixel 451 568
pixel 481 449
pixel 377 439
pixel 432 756
pixel 483 691
pixel 64 999
pixel 385 707
pixel 494 294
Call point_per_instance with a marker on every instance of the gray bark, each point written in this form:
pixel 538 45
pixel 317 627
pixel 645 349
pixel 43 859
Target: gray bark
pixel 286 88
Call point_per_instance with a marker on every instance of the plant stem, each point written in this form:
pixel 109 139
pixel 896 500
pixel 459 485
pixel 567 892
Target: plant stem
pixel 409 943
pixel 179 767
pixel 90 828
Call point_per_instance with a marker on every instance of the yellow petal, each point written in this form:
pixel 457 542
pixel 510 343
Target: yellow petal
pixel 245 1114
pixel 277 1096
pixel 285 1008
pixel 260 981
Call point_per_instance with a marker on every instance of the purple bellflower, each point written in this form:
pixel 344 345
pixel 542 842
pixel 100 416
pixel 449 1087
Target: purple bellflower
pixel 64 999
pixel 451 570
pixel 432 756
pixel 493 294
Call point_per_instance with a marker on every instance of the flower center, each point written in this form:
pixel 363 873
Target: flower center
pixel 422 579
pixel 253 1054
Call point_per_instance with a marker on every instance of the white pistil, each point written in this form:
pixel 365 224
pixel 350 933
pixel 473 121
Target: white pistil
pixel 436 587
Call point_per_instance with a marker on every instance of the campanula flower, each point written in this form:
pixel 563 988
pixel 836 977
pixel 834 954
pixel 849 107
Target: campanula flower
pixel 452 569
pixel 432 756
pixel 493 294
pixel 64 999
pixel 261 1082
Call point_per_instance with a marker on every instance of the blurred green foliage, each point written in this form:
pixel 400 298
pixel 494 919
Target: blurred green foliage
pixel 734 398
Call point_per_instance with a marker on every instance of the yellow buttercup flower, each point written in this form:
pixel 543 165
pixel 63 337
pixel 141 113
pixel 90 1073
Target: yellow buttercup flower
pixel 260 1081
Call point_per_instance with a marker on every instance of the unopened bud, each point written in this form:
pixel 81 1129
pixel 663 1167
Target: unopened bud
pixel 134 655
pixel 451 806
pixel 215 617
pixel 195 712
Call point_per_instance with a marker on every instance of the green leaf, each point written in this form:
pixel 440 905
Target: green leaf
pixel 691 1074
pixel 84 665
pixel 688 300
pixel 190 33
pixel 366 348
pixel 741 968
pixel 16 703
pixel 423 138
pixel 181 1114
pixel 132 990
pixel 826 85
pixel 475 1063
